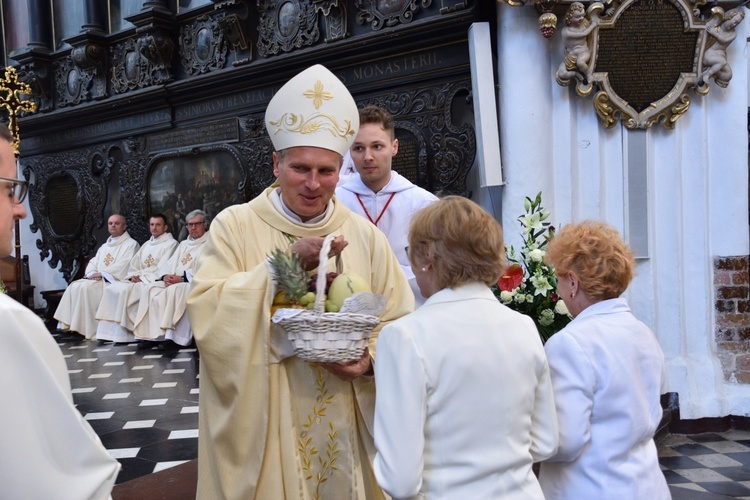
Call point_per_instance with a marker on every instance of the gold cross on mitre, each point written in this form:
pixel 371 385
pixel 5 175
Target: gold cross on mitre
pixel 149 260
pixel 11 92
pixel 187 259
pixel 108 259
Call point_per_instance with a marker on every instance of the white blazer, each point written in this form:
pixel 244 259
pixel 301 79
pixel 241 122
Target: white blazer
pixel 607 370
pixel 464 400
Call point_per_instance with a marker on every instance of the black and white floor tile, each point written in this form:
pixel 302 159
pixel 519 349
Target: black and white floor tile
pixel 716 463
pixel 142 402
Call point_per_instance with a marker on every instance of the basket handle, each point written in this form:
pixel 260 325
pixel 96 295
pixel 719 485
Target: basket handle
pixel 320 285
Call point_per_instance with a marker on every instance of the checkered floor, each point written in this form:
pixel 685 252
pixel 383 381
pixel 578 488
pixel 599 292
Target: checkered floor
pixel 143 403
pixel 717 463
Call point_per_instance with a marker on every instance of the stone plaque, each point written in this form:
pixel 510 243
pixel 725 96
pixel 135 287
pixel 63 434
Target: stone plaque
pixel 644 55
pixel 645 52
pixel 205 133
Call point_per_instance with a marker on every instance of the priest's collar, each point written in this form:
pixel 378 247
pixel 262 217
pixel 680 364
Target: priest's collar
pixel 278 204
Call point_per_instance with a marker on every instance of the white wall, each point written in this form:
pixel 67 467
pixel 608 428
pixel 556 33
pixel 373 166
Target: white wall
pixel 696 200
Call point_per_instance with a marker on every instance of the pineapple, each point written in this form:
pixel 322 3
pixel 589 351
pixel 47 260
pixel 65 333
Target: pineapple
pixel 289 275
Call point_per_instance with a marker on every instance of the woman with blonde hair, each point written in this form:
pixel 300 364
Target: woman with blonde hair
pixel 464 401
pixel 607 371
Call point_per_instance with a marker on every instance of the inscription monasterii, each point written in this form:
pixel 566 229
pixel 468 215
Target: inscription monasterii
pixel 644 55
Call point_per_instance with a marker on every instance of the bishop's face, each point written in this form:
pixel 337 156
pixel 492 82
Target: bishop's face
pixel 307 178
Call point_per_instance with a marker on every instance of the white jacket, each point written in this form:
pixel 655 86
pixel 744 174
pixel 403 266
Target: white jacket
pixel 607 370
pixel 464 401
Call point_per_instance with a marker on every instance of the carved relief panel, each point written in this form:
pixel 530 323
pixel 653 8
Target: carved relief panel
pixel 256 150
pixel 141 62
pixel 436 147
pixel 285 25
pixel 387 13
pixel 202 46
pixel 67 196
pixel 38 75
pixel 81 76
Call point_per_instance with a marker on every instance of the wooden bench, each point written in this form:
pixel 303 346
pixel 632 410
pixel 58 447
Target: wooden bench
pixel 9 275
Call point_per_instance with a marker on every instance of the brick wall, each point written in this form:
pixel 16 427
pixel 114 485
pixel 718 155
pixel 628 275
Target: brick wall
pixel 732 295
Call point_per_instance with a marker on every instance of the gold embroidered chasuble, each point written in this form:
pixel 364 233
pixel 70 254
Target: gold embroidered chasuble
pixel 271 427
pixel 119 301
pixel 79 303
pixel 159 306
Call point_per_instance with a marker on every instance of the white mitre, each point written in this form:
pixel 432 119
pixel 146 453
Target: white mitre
pixel 313 109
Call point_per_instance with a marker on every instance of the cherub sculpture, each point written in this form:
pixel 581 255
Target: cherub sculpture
pixel 575 35
pixel 721 33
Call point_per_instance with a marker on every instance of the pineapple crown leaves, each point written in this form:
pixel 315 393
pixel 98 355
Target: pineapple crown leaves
pixel 289 273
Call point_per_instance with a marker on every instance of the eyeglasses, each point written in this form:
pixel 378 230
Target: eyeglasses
pixel 18 189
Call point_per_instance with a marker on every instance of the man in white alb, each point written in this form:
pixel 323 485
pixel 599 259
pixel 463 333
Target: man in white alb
pixel 379 193
pixel 120 300
pixel 78 305
pixel 161 307
pixel 48 450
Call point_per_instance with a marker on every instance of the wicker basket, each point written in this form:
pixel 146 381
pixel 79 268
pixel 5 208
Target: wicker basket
pixel 320 336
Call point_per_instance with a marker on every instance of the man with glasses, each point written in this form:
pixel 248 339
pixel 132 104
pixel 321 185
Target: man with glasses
pixel 15 191
pixel 48 449
pixel 161 307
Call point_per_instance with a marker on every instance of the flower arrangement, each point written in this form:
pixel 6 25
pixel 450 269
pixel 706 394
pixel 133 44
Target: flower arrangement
pixel 528 284
pixel 2 287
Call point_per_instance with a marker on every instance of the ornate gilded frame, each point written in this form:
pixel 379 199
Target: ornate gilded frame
pixel 705 25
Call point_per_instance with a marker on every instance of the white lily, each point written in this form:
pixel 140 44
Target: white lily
pixel 530 222
pixel 541 285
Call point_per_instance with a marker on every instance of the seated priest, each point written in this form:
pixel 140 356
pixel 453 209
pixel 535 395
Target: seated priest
pixel 78 305
pixel 161 307
pixel 120 300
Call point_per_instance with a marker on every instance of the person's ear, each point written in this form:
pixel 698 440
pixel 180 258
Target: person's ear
pixel 574 282
pixel 276 167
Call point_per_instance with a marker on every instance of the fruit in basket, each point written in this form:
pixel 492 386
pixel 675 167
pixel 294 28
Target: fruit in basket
pixel 344 286
pixel 290 277
pixel 329 279
pixel 307 299
pixel 281 301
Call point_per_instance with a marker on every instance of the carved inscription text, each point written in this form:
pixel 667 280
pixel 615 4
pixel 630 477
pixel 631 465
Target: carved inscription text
pixel 645 52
